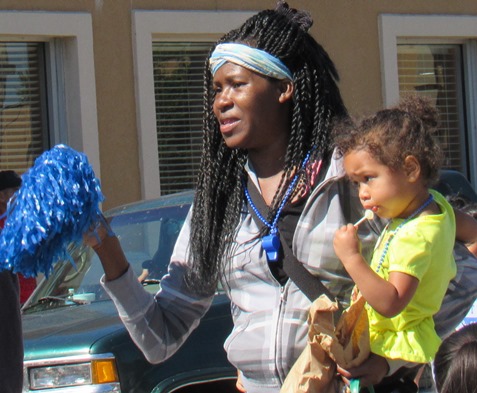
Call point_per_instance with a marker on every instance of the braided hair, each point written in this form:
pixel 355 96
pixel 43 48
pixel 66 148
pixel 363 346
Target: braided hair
pixel 283 33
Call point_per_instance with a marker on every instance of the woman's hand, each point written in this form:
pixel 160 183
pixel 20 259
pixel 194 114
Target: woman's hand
pixel 97 233
pixel 239 385
pixel 370 372
pixel 104 242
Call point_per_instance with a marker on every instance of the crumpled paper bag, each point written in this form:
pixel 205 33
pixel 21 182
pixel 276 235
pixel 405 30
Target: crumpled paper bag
pixel 346 344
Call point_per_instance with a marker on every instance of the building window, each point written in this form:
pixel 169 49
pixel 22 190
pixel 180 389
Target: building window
pixel 178 90
pixel 169 52
pixel 436 55
pixel 435 71
pixel 23 122
pixel 47 86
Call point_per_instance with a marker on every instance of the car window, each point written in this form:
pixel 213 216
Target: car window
pixel 147 238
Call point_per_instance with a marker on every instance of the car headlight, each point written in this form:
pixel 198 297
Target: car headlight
pixel 73 372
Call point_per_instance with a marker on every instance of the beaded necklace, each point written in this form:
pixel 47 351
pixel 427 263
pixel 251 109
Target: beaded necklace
pixel 271 242
pixel 391 236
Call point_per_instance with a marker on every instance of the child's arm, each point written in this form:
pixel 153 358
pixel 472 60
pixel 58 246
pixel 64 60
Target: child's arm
pixel 466 230
pixel 387 297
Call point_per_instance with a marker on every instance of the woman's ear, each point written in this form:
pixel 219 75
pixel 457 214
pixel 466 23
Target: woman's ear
pixel 286 90
pixel 412 168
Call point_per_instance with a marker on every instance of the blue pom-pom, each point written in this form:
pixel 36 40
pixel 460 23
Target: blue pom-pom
pixel 56 204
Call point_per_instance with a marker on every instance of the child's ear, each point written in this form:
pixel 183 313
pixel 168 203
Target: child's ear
pixel 412 168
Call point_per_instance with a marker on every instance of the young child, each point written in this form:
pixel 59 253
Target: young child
pixel 393 159
pixel 455 364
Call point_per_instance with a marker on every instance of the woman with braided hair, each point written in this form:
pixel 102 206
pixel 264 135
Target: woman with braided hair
pixel 270 99
pixel 291 129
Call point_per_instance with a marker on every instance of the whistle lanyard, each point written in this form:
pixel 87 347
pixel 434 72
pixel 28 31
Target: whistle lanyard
pixel 271 242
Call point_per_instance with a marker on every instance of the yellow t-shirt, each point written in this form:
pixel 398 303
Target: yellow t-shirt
pixel 421 248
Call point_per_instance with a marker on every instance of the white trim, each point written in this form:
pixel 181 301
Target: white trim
pixel 433 28
pixel 470 69
pixel 173 26
pixel 74 31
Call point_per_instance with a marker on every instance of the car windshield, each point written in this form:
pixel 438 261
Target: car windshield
pixel 147 237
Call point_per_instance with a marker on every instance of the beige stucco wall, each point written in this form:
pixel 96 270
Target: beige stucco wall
pixel 348 30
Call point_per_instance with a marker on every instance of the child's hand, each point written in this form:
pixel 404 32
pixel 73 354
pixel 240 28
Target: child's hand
pixel 346 243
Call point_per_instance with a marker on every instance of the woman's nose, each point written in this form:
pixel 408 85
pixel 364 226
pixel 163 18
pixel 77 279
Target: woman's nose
pixel 223 101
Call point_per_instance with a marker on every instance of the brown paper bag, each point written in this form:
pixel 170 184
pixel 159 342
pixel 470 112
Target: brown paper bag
pixel 346 344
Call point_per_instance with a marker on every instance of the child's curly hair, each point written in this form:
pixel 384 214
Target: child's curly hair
pixel 390 135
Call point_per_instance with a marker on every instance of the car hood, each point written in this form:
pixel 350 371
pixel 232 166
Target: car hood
pixel 82 329
pixel 68 330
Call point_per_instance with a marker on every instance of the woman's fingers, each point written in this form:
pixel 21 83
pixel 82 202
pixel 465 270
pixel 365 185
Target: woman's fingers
pixel 97 233
pixel 370 372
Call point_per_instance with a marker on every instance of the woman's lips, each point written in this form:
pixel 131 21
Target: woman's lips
pixel 227 125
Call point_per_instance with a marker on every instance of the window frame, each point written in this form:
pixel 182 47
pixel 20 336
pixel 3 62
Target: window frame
pixel 70 73
pixel 395 29
pixel 149 26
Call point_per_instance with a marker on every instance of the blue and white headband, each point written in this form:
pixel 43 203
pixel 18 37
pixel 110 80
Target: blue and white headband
pixel 251 58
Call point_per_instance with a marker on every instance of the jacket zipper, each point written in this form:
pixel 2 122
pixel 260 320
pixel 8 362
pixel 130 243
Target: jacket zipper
pixel 278 332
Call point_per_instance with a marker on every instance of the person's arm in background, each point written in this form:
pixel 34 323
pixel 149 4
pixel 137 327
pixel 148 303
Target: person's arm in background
pixel 144 274
pixel 466 230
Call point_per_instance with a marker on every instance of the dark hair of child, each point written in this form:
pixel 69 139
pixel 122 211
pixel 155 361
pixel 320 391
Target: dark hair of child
pixel 390 135
pixel 455 365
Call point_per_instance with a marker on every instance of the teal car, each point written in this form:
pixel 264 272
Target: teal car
pixel 74 340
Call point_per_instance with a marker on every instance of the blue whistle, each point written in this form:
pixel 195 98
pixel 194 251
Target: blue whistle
pixel 271 245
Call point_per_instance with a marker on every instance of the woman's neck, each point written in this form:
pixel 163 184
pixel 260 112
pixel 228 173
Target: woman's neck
pixel 268 167
pixel 270 160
